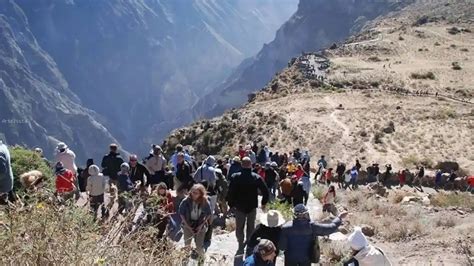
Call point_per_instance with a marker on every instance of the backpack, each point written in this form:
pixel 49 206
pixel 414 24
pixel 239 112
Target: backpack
pixel 3 164
pixel 315 253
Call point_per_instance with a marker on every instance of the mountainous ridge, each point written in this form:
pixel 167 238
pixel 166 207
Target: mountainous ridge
pixel 134 64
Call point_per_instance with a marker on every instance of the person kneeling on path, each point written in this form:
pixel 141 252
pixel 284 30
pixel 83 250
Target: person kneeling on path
pixel 299 238
pixel 269 228
pixel 364 254
pixel 243 197
pixel 195 212
pixel 264 254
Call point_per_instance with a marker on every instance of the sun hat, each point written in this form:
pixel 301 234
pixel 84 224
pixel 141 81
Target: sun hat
pixel 357 239
pixel 61 146
pixel 272 218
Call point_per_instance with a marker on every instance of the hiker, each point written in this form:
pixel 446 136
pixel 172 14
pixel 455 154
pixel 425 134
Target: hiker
pixel 271 178
pixel 169 177
pixel 66 156
pixel 259 170
pixel 328 176
pixel 241 152
pixel 451 179
pixel 195 212
pixel 252 155
pixel 358 166
pixel 297 154
pixel 269 228
pixel 96 187
pixel 174 157
pixel 419 177
pixel 111 163
pixel 264 254
pixel 388 173
pixel 329 201
pixel 402 177
pixel 183 176
pixel 286 187
pixel 470 184
pixel 354 175
pixel 262 156
pixel 235 167
pixel 243 197
pixel 299 173
pixel 124 186
pixel 206 176
pixel 156 163
pixel 6 176
pixel 298 195
pixel 305 162
pixel 65 182
pixel 306 182
pixel 291 168
pixel 370 174
pixel 364 254
pixel 300 237
pixel 376 172
pixel 438 178
pixel 222 188
pixel 161 217
pixel 222 166
pixel 322 161
pixel 84 176
pixel 138 172
pixel 340 170
pixel 39 151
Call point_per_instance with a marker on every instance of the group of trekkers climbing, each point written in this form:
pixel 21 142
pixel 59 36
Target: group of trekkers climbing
pixel 182 197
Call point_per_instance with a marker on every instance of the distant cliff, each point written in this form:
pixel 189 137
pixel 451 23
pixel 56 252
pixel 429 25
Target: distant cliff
pixel 316 25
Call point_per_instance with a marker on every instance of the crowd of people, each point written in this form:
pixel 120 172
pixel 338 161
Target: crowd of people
pixel 230 186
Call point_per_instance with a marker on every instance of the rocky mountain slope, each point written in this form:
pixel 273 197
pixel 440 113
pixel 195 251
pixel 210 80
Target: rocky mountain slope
pixel 315 25
pixel 378 102
pixel 37 106
pixel 135 63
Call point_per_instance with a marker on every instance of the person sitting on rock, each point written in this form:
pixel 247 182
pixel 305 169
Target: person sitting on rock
pixel 264 254
pixel 364 254
pixel 300 237
pixel 269 228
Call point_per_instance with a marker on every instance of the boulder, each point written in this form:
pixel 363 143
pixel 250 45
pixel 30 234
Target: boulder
pixel 408 199
pixel 426 201
pixel 343 230
pixel 368 230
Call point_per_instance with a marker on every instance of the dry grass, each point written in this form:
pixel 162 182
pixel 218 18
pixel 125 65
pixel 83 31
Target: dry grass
pixel 455 199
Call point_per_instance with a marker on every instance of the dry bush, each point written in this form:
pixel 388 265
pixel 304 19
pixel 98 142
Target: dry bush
pixel 318 192
pixel 427 75
pixel 44 232
pixel 445 221
pixel 454 199
pixel 335 251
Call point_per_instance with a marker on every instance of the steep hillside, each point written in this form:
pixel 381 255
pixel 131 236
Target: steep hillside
pixel 36 105
pixel 378 101
pixel 136 64
pixel 315 25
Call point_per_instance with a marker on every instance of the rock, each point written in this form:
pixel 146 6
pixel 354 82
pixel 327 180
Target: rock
pixel 461 212
pixel 338 236
pixel 368 230
pixel 426 201
pixel 408 199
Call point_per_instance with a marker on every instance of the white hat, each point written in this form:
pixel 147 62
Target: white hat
pixel 272 219
pixel 61 146
pixel 357 239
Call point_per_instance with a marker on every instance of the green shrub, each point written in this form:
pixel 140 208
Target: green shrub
pixel 24 160
pixel 284 208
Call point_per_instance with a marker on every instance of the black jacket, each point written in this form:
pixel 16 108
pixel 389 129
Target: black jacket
pixel 183 173
pixel 137 173
pixel 111 164
pixel 243 191
pixel 341 169
pixel 263 232
pixel 270 177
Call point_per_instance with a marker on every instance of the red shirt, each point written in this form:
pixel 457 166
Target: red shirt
pixel 65 181
pixel 299 174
